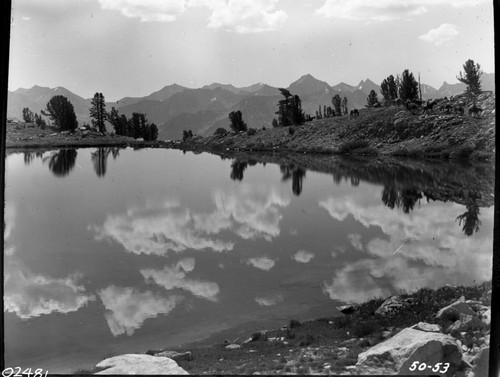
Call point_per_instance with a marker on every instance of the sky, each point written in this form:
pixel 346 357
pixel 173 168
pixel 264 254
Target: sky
pixel 135 47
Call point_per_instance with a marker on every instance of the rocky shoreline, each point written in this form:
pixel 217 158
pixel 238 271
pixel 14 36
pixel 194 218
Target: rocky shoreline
pixel 443 331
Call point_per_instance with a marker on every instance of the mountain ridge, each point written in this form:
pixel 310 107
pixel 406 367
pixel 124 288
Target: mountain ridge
pixel 206 108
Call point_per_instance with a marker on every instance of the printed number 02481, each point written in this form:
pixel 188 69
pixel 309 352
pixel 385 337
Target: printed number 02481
pixel 9 372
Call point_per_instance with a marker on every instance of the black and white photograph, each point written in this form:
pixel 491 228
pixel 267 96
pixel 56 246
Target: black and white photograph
pixel 249 187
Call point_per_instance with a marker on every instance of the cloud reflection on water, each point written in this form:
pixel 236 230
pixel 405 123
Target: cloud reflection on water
pixel 262 263
pixel 31 295
pixel 128 308
pixel 428 247
pixel 175 277
pixel 249 211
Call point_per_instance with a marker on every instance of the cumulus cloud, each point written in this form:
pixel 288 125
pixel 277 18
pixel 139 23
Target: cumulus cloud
pixel 355 240
pixel 434 250
pixel 147 10
pixel 338 250
pixel 175 277
pixel 262 263
pixel 31 295
pixel 371 10
pixel 303 256
pixel 269 300
pixel 442 35
pixel 384 10
pixel 241 16
pixel 246 16
pixel 128 308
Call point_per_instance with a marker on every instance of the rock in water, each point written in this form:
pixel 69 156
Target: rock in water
pixel 139 364
pixel 412 345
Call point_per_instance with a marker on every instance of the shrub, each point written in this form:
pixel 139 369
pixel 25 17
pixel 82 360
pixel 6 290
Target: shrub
pixel 365 328
pixel 307 340
pixel 349 146
pixel 290 334
pixel 341 322
pixel 291 130
pixel 462 152
pixel 256 336
pixel 220 131
pixel 187 134
pixel 369 151
pixel 294 324
pixel 251 131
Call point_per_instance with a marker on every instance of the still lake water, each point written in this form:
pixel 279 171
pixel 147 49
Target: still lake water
pixel 113 251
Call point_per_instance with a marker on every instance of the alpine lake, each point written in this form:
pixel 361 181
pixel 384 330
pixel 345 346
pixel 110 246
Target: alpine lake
pixel 110 251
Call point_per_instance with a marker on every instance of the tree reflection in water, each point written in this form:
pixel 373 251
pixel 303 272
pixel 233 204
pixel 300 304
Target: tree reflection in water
pixel 62 162
pixel 237 169
pixel 296 174
pixel 401 198
pixel 30 156
pixel 404 186
pixel 100 157
pixel 470 218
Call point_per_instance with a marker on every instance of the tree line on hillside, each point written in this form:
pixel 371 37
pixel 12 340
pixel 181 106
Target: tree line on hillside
pixel 62 113
pixel 402 89
pixel 339 108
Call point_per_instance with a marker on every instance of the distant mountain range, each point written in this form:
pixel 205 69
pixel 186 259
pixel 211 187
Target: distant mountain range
pixel 175 108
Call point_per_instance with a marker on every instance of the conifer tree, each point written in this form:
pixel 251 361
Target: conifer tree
pixel 28 116
pixel 389 89
pixel 61 112
pixel 289 109
pixel 154 131
pixel 409 87
pixel 344 106
pixel 471 77
pixel 237 123
pixel 98 112
pixel 372 99
pixel 337 101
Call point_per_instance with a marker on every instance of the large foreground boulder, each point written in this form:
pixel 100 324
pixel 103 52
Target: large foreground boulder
pixel 411 345
pixel 139 364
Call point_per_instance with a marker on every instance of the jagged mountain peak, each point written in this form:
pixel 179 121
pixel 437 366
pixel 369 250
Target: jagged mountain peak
pixel 308 84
